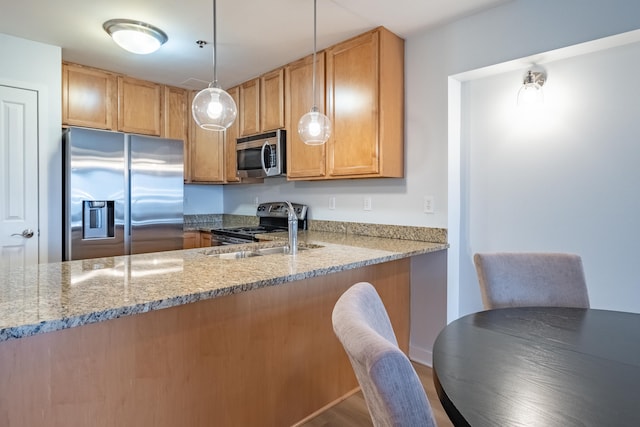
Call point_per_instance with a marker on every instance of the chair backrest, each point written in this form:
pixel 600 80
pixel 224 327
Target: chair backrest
pixel 531 279
pixel 390 385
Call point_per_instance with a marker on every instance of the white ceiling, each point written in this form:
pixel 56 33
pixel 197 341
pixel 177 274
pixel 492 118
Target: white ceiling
pixel 253 36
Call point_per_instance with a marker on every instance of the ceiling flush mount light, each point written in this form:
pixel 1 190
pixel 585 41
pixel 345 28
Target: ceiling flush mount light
pixel 213 108
pixel 135 36
pixel 531 91
pixel 314 127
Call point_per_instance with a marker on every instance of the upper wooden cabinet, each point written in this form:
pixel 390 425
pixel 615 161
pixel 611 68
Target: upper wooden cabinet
pixel 364 92
pixel 231 134
pixel 175 120
pixel 89 97
pixel 365 103
pixel 206 153
pixel 174 113
pixel 249 108
pixel 272 100
pixel 261 106
pixel 139 106
pixel 303 161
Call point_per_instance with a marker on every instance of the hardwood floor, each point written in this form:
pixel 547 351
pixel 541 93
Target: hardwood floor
pixel 352 412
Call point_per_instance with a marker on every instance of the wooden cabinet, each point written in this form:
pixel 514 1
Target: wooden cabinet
pixel 175 120
pixel 303 161
pixel 205 239
pixel 175 123
pixel 261 106
pixel 365 102
pixel 89 97
pixel 249 108
pixel 206 153
pixel 196 239
pixel 191 239
pixel 231 134
pixel 272 100
pixel 364 82
pixel 139 106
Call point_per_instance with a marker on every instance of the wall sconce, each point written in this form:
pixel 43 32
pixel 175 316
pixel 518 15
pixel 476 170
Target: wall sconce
pixel 135 36
pixel 531 91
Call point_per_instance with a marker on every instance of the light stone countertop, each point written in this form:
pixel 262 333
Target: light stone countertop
pixel 49 297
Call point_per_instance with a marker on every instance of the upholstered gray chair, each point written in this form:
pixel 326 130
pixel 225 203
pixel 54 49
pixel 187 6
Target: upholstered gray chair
pixel 531 279
pixel 390 385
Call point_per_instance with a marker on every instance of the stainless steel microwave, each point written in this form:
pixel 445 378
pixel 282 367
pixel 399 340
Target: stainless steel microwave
pixel 262 155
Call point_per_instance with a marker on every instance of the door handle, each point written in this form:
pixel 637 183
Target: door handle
pixel 27 233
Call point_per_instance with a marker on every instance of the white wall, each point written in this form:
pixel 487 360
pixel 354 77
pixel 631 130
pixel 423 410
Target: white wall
pixel 202 199
pixel 515 30
pixel 38 66
pixel 560 178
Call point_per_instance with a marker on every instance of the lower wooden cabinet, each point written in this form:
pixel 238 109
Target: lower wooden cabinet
pixel 205 239
pixel 191 239
pixel 196 239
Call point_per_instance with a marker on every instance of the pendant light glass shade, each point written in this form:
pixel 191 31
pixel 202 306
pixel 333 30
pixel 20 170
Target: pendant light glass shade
pixel 314 127
pixel 213 108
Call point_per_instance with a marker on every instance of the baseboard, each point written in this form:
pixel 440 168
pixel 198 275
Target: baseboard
pixel 421 355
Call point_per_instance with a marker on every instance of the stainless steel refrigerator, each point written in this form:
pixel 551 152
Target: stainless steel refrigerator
pixel 123 194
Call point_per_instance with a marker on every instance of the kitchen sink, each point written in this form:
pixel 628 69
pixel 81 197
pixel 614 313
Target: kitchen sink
pixel 237 255
pixel 250 253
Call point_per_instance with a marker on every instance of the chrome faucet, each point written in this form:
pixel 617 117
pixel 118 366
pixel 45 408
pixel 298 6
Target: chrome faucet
pixel 293 229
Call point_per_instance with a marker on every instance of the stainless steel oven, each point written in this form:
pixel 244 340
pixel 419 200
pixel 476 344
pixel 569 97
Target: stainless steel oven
pixel 262 155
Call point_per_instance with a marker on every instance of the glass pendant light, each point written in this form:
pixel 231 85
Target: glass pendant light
pixel 314 127
pixel 213 108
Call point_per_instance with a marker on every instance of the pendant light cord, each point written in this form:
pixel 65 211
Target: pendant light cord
pixel 313 80
pixel 215 47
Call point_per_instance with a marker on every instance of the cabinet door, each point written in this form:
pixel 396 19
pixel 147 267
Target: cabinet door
pixel 206 153
pixel 205 239
pixel 303 161
pixel 191 239
pixel 174 113
pixel 231 135
pixel 352 68
pixel 88 97
pixel 175 120
pixel 139 106
pixel 272 100
pixel 250 107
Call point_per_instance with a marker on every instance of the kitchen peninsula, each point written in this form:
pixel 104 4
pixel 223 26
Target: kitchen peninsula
pixel 188 337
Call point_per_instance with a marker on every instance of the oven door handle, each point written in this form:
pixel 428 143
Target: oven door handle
pixel 264 166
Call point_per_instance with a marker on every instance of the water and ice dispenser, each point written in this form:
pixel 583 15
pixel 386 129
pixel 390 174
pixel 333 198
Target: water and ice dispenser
pixel 98 219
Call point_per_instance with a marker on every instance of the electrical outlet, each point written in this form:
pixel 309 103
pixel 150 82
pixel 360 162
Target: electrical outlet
pixel 332 203
pixel 428 204
pixel 367 204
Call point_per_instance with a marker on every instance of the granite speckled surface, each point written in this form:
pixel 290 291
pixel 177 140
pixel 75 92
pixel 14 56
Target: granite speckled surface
pixel 49 297
pixel 425 234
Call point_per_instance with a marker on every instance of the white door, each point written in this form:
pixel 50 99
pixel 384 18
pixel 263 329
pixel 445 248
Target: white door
pixel 18 177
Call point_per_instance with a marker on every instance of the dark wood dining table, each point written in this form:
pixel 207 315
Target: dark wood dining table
pixel 540 366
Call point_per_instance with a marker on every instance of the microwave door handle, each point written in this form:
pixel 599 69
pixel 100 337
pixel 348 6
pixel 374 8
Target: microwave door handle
pixel 264 147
